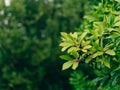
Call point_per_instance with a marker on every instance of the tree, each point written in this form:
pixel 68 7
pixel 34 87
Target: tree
pixel 29 37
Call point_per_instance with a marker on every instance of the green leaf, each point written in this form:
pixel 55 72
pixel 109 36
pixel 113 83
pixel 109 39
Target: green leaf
pixel 82 36
pixel 64 48
pixel 118 68
pixel 72 49
pixel 117 24
pixel 65 44
pixel 118 1
pixel 74 53
pixel 85 43
pixel 75 35
pixel 65 57
pixel 84 50
pixel 70 36
pixel 88 59
pixel 66 65
pixel 64 34
pixel 97 54
pixel 94 81
pixel 106 63
pixel 67 36
pixel 110 52
pixel 87 47
pixel 114 82
pixel 111 19
pixel 89 17
pixel 75 65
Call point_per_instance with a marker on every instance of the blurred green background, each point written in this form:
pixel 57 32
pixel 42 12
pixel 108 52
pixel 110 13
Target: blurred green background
pixel 29 42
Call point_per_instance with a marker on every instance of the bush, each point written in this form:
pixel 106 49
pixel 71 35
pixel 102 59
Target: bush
pixel 96 44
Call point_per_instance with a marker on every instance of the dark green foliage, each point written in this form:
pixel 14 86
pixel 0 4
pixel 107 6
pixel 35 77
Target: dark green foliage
pixel 29 37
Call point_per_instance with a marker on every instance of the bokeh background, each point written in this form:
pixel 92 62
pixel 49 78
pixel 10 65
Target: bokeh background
pixel 29 42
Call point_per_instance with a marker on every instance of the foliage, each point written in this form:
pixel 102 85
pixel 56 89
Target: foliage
pixel 97 43
pixel 29 37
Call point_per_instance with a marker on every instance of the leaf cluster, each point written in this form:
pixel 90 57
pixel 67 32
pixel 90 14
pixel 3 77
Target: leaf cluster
pixel 96 43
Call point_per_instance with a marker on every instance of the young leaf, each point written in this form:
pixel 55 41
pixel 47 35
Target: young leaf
pixel 75 34
pixel 65 44
pixel 82 36
pixel 84 50
pixel 72 49
pixel 110 52
pixel 65 57
pixel 66 65
pixel 75 65
pixel 67 36
pixel 87 47
pixel 64 48
pixel 97 54
pixel 84 43
pixel 64 34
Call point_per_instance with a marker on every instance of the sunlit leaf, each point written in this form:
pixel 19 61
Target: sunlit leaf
pixel 75 65
pixel 65 44
pixel 87 47
pixel 73 49
pixel 66 65
pixel 84 43
pixel 118 1
pixel 84 50
pixel 64 48
pixel 110 52
pixel 64 34
pixel 82 36
pixel 67 36
pixel 75 35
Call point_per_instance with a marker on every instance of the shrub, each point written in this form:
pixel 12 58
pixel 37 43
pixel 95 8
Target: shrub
pixel 97 44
